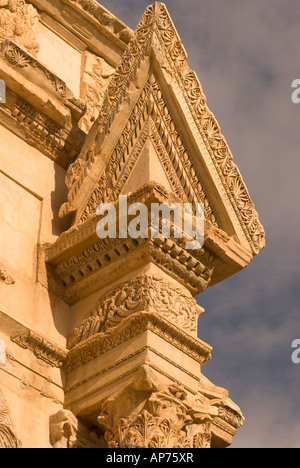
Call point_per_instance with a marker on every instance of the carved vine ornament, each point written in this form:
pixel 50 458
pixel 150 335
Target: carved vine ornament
pixel 142 294
pixel 103 17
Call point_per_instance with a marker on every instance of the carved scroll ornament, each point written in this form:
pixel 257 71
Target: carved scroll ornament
pixel 144 293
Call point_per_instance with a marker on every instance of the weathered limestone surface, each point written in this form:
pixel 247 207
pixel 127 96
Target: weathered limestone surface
pixel 99 344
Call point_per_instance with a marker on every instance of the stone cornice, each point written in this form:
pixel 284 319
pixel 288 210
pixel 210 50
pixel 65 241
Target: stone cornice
pixel 79 256
pixel 39 106
pixel 19 66
pixel 144 293
pixel 131 327
pixel 93 24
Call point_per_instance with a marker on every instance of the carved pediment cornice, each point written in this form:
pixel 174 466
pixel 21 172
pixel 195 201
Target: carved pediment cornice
pixel 89 24
pixel 82 262
pixel 144 293
pixel 156 56
pixel 42 348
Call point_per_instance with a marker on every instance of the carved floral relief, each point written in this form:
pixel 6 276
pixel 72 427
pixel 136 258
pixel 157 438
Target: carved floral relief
pixel 144 293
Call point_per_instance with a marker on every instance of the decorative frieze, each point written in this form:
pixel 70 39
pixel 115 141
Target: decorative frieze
pixel 43 349
pixel 83 352
pixel 193 268
pixel 19 58
pixel 167 418
pixel 142 294
pixel 43 133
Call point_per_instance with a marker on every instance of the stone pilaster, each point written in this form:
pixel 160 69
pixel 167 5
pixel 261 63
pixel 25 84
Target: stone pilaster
pixel 134 366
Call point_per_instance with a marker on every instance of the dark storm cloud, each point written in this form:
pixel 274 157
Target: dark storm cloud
pixel 246 55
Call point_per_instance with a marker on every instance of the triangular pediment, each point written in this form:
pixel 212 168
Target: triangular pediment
pixel 148 167
pixel 155 125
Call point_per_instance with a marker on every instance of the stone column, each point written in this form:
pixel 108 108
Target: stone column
pixel 134 367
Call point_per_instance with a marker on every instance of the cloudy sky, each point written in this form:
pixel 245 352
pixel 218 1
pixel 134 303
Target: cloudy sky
pixel 246 55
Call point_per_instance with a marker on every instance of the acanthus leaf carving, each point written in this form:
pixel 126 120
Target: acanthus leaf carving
pixel 232 417
pixel 8 438
pixel 166 417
